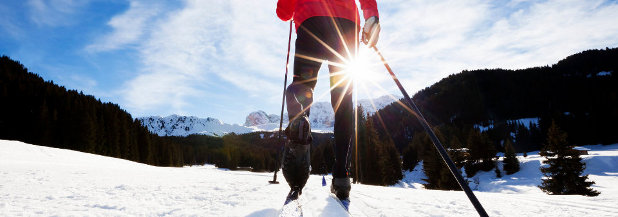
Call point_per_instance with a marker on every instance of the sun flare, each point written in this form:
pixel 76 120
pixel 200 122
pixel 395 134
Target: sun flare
pixel 358 69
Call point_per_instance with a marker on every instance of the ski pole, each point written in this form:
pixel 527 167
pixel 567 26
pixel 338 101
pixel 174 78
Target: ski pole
pixel 436 142
pixel 285 84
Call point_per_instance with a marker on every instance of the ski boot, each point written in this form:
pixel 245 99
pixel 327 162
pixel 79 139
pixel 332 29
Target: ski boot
pixel 341 188
pixel 293 195
pixel 296 157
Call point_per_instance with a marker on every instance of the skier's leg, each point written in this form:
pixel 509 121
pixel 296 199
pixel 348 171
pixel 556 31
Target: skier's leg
pixel 341 99
pixel 296 160
pixel 299 98
pixel 299 93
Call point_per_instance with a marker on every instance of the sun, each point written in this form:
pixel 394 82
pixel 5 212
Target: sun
pixel 358 69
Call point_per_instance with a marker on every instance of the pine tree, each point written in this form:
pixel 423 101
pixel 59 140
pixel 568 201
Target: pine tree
pixel 457 154
pixel 488 153
pixel 390 163
pixel 510 163
pixel 565 166
pixel 329 155
pixel 410 158
pixel 432 168
pixel 317 160
pixel 438 174
pixel 475 148
pixel 497 171
pixel 474 143
pixel 370 168
pixel 388 158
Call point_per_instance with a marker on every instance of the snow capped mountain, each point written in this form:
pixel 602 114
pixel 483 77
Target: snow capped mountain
pixel 175 125
pixel 321 116
pixel 260 117
pixel 371 105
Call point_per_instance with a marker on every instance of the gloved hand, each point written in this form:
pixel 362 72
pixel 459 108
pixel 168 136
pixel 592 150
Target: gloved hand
pixel 371 31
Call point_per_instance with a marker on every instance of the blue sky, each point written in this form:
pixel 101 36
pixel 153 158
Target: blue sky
pixel 226 58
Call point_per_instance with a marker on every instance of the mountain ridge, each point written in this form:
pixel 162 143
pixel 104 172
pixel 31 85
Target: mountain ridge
pixel 321 118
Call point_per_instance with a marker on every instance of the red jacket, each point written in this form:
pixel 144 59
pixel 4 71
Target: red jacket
pixel 301 10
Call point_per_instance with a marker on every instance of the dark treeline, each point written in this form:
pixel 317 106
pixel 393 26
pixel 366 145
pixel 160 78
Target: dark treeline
pixel 580 93
pixel 255 151
pixel 252 151
pixel 374 159
pixel 42 113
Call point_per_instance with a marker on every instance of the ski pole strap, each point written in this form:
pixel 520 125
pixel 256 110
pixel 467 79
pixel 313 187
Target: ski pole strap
pixel 436 142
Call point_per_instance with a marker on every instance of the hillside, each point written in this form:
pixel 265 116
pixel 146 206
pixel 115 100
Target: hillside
pixel 580 93
pixel 45 181
pixel 41 112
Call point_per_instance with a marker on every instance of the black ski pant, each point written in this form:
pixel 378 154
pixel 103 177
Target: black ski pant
pixel 318 39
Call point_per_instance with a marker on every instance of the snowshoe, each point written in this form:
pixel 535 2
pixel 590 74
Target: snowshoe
pixel 341 188
pixel 296 161
pixel 293 195
pixel 299 130
pixel 296 156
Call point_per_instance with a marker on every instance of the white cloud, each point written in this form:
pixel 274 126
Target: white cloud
pixel 127 28
pixel 55 12
pixel 185 51
pixel 431 39
pixel 204 42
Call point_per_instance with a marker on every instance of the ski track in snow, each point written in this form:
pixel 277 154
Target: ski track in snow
pixel 42 181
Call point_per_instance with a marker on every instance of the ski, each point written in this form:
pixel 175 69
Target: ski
pixel 291 206
pixel 345 204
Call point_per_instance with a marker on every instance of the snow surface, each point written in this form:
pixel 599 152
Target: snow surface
pixel 42 181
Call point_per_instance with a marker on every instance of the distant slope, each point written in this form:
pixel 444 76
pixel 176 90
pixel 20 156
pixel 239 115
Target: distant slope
pixel 579 92
pixel 40 112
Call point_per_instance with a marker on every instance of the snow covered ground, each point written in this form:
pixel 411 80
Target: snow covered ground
pixel 41 181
